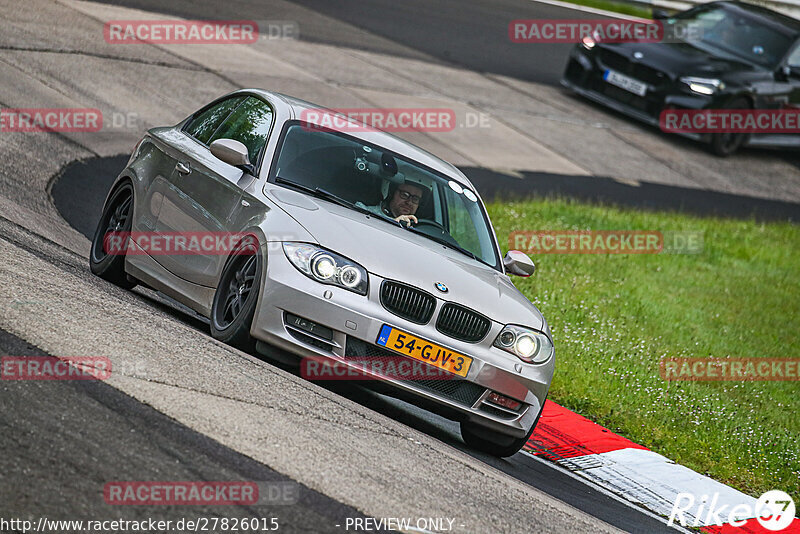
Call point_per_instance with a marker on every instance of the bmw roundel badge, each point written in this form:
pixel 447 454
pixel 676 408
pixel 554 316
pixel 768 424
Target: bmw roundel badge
pixel 441 287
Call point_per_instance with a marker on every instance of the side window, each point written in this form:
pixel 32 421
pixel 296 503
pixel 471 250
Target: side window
pixel 794 58
pixel 460 222
pixel 250 125
pixel 203 125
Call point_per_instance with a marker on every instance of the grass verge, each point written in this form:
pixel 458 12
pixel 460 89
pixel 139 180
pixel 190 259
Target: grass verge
pixel 614 317
pixel 617 7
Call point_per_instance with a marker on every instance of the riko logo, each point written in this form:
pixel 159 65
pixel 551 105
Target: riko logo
pixel 774 511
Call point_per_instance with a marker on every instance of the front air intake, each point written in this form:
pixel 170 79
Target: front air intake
pixel 407 302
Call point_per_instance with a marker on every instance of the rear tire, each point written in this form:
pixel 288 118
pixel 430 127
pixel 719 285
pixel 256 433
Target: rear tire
pixel 725 144
pixel 117 217
pixel 234 304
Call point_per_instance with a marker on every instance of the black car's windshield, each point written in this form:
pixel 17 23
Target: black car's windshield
pixel 369 178
pixel 734 33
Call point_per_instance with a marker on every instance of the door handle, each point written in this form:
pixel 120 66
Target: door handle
pixel 183 168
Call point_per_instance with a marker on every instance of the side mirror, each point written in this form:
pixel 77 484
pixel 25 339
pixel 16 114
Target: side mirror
pixel 231 152
pixel 787 71
pixel 518 263
pixel 660 14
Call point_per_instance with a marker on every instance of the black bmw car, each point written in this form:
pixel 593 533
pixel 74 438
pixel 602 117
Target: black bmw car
pixel 736 56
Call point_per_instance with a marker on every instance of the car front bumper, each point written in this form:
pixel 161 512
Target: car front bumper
pixel 355 322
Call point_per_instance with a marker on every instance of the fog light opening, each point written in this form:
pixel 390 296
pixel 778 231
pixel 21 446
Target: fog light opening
pixel 501 400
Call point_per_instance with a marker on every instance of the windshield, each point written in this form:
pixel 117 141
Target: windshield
pixel 735 33
pixel 366 177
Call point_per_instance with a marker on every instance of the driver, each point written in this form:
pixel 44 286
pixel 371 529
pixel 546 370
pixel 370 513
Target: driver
pixel 401 202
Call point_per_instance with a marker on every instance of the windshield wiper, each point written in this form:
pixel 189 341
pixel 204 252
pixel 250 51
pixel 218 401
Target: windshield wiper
pixel 327 195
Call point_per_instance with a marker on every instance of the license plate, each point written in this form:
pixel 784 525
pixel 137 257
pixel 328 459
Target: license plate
pixel 625 82
pixel 424 351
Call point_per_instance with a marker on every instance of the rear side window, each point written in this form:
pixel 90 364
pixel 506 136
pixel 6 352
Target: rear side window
pixel 250 125
pixel 203 125
pixel 794 58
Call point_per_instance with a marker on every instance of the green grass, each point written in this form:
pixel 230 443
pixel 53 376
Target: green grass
pixel 616 7
pixel 614 317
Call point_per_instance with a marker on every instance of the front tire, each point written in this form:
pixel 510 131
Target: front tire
pixel 724 144
pixel 234 304
pixel 494 443
pixel 490 442
pixel 117 217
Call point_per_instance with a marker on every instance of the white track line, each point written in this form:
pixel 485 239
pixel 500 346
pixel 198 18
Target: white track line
pixel 604 491
pixel 593 10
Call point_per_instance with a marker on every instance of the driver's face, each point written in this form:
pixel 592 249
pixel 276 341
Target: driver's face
pixel 405 200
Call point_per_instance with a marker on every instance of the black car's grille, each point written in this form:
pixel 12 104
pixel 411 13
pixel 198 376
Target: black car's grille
pixel 462 323
pixel 407 302
pixel 623 96
pixel 623 65
pixel 454 389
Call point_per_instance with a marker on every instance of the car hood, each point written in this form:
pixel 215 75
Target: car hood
pixel 683 59
pixel 394 253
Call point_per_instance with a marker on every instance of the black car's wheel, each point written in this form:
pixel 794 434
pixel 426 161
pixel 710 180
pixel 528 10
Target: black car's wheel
pixel 234 302
pixel 726 143
pixel 117 217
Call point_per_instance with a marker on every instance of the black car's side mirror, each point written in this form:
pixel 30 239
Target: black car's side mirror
pixel 786 71
pixel 660 14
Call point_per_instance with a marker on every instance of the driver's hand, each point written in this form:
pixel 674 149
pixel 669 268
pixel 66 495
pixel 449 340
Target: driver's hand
pixel 406 220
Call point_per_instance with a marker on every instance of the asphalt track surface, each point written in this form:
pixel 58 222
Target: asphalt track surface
pixel 94 177
pixel 72 437
pixel 471 35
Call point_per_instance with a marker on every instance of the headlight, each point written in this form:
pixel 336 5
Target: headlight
pixel 327 267
pixel 589 41
pixel 528 345
pixel 704 86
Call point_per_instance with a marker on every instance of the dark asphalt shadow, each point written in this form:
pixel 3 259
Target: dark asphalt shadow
pixel 645 196
pixel 62 441
pixel 81 189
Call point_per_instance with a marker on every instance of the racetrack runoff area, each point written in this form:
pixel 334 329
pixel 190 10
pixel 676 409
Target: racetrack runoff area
pixel 54 304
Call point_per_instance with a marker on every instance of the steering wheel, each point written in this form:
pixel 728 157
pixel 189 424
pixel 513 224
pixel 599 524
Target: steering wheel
pixel 428 222
pixel 434 229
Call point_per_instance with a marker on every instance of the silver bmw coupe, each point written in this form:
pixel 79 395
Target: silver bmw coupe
pixel 345 249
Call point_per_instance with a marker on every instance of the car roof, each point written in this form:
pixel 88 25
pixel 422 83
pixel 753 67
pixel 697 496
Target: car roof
pixel 296 107
pixel 778 21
